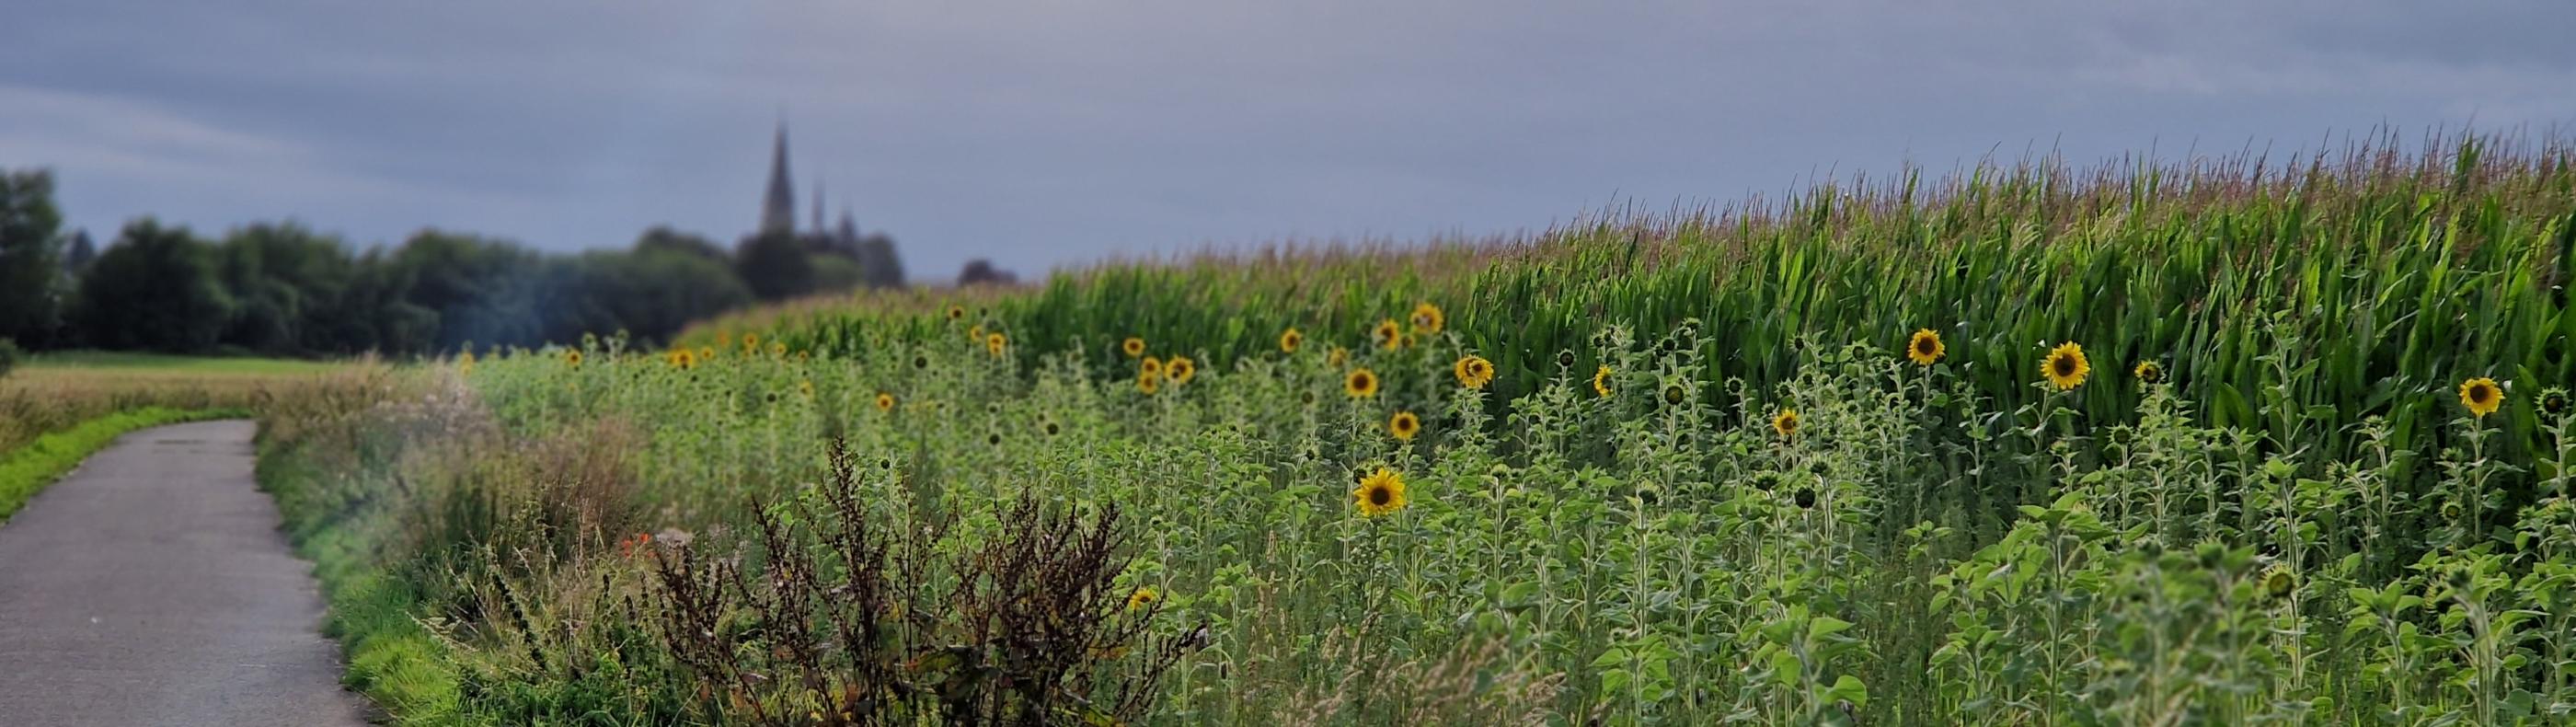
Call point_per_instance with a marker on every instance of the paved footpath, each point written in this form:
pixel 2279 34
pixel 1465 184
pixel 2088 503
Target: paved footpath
pixel 152 587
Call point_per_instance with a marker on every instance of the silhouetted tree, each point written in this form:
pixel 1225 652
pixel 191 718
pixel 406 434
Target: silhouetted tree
pixel 30 243
pixel 155 289
pixel 980 271
pixel 774 265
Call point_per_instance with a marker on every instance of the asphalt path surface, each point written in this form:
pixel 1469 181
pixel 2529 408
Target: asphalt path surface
pixel 152 587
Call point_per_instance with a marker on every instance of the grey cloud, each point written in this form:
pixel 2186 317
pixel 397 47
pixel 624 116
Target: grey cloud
pixel 1046 133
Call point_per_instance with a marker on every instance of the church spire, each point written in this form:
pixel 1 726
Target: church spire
pixel 779 213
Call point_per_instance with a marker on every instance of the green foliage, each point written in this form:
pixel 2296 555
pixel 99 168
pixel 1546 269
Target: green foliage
pixel 774 265
pixel 30 289
pixel 9 356
pixel 28 469
pixel 155 289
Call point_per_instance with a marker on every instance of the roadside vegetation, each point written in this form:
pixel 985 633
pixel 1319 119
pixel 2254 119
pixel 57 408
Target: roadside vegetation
pixel 2242 441
pixel 57 409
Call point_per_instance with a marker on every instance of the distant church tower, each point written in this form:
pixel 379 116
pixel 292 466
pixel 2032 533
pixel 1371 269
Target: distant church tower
pixel 779 213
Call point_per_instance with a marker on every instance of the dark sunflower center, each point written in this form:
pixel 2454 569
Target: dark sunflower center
pixel 2481 394
pixel 2064 365
pixel 1673 394
pixel 1380 496
pixel 1923 346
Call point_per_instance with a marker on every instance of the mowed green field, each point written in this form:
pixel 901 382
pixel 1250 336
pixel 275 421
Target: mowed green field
pixel 2222 444
pixel 122 362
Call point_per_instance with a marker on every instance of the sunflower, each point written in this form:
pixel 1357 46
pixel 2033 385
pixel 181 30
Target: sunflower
pixel 920 361
pixel 465 363
pixel 1674 393
pixel 2149 372
pixel 2279 581
pixel 976 333
pixel 1150 366
pixel 2481 396
pixel 2553 400
pixel 706 354
pixel 1427 318
pixel 1133 347
pixel 1290 339
pixel 1338 357
pixel 806 387
pixel 1360 384
pixel 1387 334
pixel 684 359
pixel 885 401
pixel 956 312
pixel 1601 381
pixel 573 358
pixel 1149 382
pixel 1474 372
pixel 778 348
pixel 1785 423
pixel 1806 498
pixel 1053 428
pixel 1380 493
pixel 750 342
pixel 1404 425
pixel 996 343
pixel 1565 360
pixel 1142 599
pixel 1180 369
pixel 1925 348
pixel 2066 366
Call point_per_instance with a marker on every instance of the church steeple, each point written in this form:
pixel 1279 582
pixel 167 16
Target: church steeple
pixel 778 214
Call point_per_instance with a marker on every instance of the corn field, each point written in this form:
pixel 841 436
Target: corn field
pixel 2244 440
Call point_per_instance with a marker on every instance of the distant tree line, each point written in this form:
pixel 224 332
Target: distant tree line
pixel 281 289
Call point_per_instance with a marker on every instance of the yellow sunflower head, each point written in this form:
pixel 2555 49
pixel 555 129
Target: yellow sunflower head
pixel 573 358
pixel 1925 348
pixel 1361 383
pixel 1404 425
pixel 995 343
pixel 956 312
pixel 751 341
pixel 976 333
pixel 806 387
pixel 1474 372
pixel 2149 372
pixel 465 363
pixel 1380 493
pixel 885 401
pixel 1387 334
pixel 1149 381
pixel 1427 318
pixel 706 354
pixel 1134 347
pixel 1142 599
pixel 2481 396
pixel 1785 423
pixel 2066 367
pixel 1337 357
pixel 684 359
pixel 1601 381
pixel 1290 339
pixel 1180 369
pixel 1150 366
pixel 778 348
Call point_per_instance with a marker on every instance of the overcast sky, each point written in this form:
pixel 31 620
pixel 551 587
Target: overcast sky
pixel 1053 132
